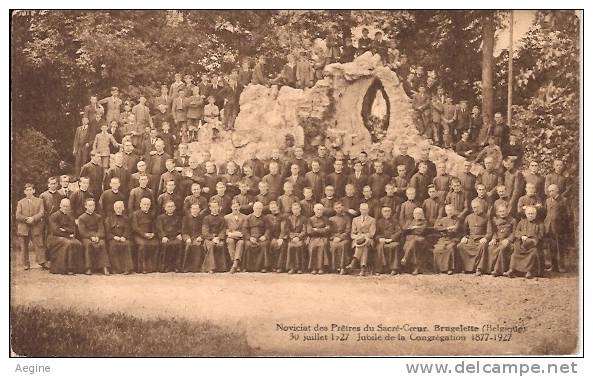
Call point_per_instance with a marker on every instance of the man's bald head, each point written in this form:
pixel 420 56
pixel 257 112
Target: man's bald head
pixel 65 205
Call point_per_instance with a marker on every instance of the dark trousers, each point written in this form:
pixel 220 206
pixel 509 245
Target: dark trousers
pixel 555 253
pixel 37 242
pixel 80 158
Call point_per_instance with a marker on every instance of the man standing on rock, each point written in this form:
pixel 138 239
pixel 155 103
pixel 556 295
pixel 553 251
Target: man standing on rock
pixel 421 104
pixel 258 77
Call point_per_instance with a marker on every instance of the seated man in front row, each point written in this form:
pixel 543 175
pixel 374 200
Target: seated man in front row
pixel 362 234
pixel 168 228
pixel 387 255
pixel 501 236
pixel 64 249
pixel 191 232
pixel 92 235
pixel 144 231
pixel 415 246
pixel 529 235
pixel 235 221
pixel 318 232
pixel 213 231
pixel 339 239
pixel 294 229
pixel 473 246
pixel 256 240
pixel 444 250
pixel 117 235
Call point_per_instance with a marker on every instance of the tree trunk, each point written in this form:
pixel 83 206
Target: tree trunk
pixel 487 65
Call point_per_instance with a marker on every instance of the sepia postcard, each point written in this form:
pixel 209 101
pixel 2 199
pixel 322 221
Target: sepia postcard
pixel 324 183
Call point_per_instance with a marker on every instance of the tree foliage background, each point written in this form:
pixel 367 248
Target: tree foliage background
pixel 547 114
pixel 34 159
pixel 60 58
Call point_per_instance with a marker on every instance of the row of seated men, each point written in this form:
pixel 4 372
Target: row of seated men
pixel 483 241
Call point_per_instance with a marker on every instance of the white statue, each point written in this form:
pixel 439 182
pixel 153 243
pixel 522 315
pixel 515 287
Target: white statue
pixel 379 106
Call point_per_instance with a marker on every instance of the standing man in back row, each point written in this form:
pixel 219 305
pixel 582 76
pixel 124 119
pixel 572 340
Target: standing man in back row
pixel 81 146
pixel 113 104
pixel 93 113
pixel 142 114
pixel 258 77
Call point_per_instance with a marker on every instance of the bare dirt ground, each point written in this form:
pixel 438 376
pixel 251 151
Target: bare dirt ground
pixel 255 303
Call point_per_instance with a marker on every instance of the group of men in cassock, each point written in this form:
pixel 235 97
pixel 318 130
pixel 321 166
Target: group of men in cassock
pixel 325 214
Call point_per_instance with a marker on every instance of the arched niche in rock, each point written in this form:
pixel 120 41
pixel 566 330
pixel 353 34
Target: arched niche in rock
pixel 354 105
pixel 376 110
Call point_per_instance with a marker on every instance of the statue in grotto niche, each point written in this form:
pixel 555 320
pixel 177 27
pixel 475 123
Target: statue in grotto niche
pixel 375 111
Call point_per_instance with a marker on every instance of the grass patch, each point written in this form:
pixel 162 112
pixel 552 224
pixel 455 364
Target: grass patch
pixel 37 331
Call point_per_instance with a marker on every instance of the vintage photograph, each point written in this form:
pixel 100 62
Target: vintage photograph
pixel 295 183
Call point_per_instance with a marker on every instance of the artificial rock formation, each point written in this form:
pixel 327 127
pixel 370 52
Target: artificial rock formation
pixel 334 106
